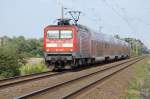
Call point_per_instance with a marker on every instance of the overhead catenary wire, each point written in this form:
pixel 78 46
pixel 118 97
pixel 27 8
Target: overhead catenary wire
pixel 123 11
pixel 122 17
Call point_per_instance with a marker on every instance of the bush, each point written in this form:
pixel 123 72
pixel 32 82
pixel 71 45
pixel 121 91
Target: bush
pixel 9 62
pixel 33 68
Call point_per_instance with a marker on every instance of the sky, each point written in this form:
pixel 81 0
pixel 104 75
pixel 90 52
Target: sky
pixel 127 18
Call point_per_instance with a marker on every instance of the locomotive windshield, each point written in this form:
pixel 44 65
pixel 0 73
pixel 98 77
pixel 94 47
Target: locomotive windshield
pixel 65 34
pixel 59 34
pixel 53 34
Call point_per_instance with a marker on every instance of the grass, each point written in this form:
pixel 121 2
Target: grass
pixel 33 68
pixel 2 77
pixel 140 81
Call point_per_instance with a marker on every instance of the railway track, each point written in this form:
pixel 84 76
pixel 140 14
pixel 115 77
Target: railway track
pixel 70 88
pixel 26 78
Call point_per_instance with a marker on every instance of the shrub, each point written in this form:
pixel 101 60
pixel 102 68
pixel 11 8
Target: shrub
pixel 33 68
pixel 9 62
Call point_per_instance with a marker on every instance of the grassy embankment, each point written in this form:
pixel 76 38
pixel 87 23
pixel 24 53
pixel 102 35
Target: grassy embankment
pixel 30 69
pixel 33 68
pixel 140 81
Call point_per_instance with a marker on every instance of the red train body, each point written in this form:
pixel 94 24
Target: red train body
pixel 78 45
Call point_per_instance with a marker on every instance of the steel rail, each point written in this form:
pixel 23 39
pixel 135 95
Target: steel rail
pixel 16 77
pixel 27 78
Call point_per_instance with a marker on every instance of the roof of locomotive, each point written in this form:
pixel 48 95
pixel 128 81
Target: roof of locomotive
pixel 65 22
pixel 59 26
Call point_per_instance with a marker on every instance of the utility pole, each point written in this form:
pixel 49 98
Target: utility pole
pixel 62 11
pixel 62 8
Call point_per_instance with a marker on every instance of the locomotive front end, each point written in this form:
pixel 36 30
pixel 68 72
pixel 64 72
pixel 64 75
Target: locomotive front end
pixel 59 45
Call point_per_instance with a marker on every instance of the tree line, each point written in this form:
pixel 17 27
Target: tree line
pixel 26 47
pixel 136 45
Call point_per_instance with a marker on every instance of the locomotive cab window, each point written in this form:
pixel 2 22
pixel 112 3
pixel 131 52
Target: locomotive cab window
pixel 53 34
pixel 59 34
pixel 65 34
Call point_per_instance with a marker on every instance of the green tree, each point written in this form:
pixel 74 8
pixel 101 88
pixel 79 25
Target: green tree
pixel 137 46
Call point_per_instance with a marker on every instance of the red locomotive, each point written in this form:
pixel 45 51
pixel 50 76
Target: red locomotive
pixel 75 45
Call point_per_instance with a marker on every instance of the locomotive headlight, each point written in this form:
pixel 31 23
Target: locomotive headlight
pixel 71 49
pixel 51 45
pixel 67 45
pixel 47 50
